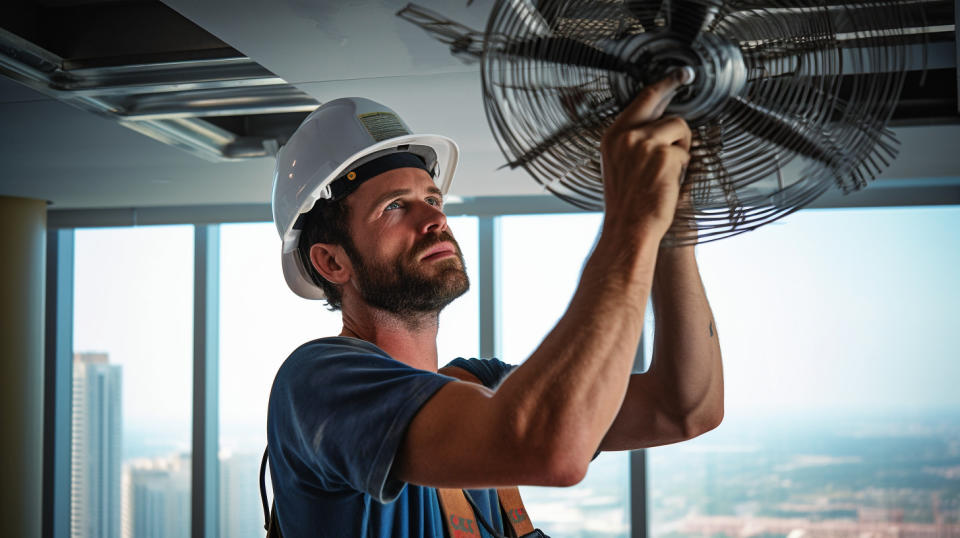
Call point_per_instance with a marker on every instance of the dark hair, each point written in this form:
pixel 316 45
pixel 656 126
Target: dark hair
pixel 325 223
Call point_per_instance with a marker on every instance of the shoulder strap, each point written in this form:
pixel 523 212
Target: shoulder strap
pixel 510 500
pixel 512 506
pixel 263 491
pixel 458 516
pixel 270 523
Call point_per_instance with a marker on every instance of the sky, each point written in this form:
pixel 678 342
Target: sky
pixel 824 310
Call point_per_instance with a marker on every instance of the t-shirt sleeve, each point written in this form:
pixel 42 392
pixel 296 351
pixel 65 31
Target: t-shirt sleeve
pixel 490 372
pixel 341 410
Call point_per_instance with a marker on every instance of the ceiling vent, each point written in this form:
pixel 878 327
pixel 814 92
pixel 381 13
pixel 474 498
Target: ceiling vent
pixel 150 69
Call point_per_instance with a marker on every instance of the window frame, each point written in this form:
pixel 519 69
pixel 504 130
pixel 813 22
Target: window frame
pixel 206 219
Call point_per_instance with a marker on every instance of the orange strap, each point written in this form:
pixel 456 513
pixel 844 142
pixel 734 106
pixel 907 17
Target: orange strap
pixel 458 516
pixel 457 513
pixel 461 522
pixel 517 516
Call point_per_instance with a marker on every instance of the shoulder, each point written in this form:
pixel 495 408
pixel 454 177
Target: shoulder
pixel 335 368
pixel 334 347
pixel 490 372
pixel 330 353
pixel 327 369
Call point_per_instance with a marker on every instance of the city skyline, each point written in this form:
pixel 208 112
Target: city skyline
pixel 117 492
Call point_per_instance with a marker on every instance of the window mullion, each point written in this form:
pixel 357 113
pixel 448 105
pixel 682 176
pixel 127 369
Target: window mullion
pixel 206 322
pixel 58 388
pixel 638 458
pixel 489 270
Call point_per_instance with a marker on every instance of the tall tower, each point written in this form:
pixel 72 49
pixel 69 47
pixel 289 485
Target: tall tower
pixel 160 497
pixel 97 447
pixel 241 514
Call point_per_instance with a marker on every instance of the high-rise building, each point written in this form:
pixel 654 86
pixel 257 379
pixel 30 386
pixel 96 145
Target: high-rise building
pixel 97 447
pixel 241 513
pixel 159 497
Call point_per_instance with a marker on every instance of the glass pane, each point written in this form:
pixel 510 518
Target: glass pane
pixel 841 367
pixel 459 334
pixel 261 322
pixel 132 383
pixel 542 256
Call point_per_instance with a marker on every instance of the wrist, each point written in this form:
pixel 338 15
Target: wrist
pixel 679 253
pixel 628 253
pixel 632 231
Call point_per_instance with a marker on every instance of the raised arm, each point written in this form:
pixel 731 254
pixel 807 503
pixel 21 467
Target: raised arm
pixel 545 422
pixel 681 395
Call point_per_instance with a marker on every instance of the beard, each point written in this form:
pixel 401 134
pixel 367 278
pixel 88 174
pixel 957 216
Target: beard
pixel 404 287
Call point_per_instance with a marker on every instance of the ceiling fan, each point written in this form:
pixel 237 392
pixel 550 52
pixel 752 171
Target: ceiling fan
pixel 788 98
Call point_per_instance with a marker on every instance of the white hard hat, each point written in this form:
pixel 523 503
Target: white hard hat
pixel 341 135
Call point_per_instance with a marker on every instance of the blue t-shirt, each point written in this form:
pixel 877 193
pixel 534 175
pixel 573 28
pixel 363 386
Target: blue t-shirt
pixel 339 409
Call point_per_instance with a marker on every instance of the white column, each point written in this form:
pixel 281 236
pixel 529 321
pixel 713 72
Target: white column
pixel 22 276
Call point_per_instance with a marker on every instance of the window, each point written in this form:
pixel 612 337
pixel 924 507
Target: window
pixel 132 383
pixel 542 257
pixel 842 414
pixel 261 322
pixel 840 367
pixel 459 334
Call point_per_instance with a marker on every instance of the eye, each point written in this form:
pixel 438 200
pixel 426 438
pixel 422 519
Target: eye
pixel 435 201
pixel 392 205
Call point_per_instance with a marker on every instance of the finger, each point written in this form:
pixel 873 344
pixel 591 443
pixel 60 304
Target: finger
pixel 671 130
pixel 671 162
pixel 679 154
pixel 652 100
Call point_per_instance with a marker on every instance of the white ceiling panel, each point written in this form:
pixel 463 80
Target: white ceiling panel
pixel 312 41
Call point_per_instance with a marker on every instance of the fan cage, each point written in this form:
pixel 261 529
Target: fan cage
pixel 797 122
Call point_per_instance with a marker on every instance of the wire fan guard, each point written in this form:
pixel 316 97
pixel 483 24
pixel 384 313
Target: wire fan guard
pixel 789 99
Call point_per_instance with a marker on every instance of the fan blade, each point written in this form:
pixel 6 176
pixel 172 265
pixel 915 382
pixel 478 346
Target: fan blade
pixel 529 16
pixel 566 51
pixel 604 18
pixel 596 118
pixel 566 133
pixel 687 18
pixel 645 11
pixel 786 132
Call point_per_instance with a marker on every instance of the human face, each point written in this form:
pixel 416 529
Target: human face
pixel 406 260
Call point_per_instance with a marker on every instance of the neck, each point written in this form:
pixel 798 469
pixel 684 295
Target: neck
pixel 410 339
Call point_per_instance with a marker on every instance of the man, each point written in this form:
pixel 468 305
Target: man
pixel 362 428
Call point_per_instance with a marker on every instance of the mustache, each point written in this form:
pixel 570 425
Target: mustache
pixel 429 241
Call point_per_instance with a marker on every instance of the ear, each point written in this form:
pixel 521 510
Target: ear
pixel 332 262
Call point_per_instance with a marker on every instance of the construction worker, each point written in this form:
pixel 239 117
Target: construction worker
pixel 362 429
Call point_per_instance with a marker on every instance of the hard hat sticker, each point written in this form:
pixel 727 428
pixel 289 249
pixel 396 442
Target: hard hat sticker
pixel 382 125
pixel 352 175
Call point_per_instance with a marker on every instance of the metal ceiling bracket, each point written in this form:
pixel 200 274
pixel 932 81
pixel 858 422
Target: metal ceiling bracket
pixel 166 101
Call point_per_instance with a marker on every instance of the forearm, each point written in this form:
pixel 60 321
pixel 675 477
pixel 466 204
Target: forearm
pixel 569 391
pixel 686 367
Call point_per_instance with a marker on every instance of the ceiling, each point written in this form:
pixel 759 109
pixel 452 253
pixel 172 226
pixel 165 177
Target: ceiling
pixel 77 159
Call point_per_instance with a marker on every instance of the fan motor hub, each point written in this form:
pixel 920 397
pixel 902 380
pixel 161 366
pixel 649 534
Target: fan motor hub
pixel 719 66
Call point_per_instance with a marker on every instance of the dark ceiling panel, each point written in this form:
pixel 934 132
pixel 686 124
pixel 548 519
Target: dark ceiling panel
pixel 89 34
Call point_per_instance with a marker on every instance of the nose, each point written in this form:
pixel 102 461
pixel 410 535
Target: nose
pixel 433 219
